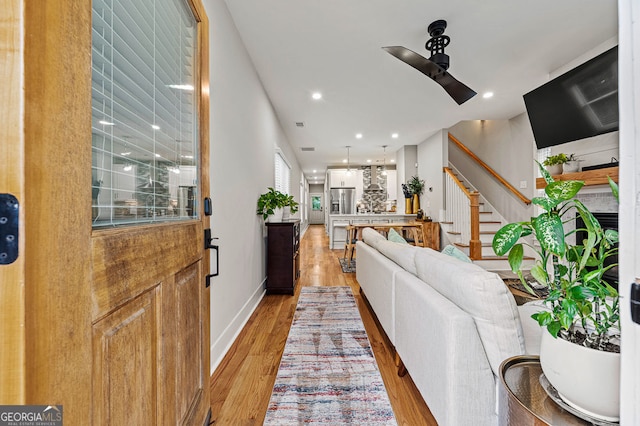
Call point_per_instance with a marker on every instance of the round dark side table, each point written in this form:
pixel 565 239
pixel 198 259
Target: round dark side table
pixel 523 401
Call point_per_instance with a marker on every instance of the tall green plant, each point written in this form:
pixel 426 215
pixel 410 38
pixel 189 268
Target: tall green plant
pixel 578 296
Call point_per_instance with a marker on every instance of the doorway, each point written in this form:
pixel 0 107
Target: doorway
pixel 317 210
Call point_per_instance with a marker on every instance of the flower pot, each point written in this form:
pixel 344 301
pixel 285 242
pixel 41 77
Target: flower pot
pixel 286 213
pixel 586 379
pixel 556 169
pixel 408 208
pixel 415 204
pixel 276 216
pixel 571 167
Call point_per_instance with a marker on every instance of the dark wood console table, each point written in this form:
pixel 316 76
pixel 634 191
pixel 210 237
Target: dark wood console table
pixel 283 256
pixel 523 401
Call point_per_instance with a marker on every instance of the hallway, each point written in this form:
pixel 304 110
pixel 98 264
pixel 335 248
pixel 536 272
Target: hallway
pixel 241 385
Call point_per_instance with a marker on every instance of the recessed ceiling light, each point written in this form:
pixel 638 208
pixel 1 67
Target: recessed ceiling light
pixel 369 160
pixel 393 161
pixel 487 95
pixel 157 155
pixel 344 161
pixel 155 127
pixel 124 154
pixel 358 135
pixel 316 95
pixel 315 171
pixel 106 123
pixel 394 135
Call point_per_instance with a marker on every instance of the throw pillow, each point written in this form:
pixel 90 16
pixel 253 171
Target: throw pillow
pixel 395 237
pixel 452 251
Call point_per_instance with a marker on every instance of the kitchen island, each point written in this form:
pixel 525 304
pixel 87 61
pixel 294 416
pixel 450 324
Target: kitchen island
pixel 338 222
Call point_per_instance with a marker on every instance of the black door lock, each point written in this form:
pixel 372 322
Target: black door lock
pixel 9 225
pixel 635 302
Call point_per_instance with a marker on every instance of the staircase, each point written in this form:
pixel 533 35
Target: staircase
pixel 489 223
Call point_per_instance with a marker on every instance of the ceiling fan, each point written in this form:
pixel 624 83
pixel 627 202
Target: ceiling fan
pixel 436 66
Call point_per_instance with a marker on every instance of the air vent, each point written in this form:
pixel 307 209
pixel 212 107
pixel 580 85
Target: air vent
pixel 299 124
pixel 307 148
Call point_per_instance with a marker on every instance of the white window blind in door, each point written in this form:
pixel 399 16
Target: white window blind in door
pixel 144 116
pixel 283 174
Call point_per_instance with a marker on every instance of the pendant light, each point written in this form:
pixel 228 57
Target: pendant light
pixel 348 162
pixel 384 160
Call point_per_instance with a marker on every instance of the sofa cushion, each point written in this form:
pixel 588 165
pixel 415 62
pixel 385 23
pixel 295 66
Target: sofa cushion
pixel 395 237
pixel 481 294
pixel 453 251
pixel 401 254
pixel 372 237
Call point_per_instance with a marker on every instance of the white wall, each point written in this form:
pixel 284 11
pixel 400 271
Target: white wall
pixel 432 157
pixel 244 135
pixel 507 146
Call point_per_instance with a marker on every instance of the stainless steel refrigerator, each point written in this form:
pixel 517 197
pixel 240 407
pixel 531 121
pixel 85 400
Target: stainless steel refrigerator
pixel 343 200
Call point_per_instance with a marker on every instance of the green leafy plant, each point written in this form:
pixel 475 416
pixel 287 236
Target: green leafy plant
pixel 556 159
pixel 415 185
pixel 583 308
pixel 272 200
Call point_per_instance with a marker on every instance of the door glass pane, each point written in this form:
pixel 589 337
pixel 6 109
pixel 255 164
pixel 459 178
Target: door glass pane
pixel 144 116
pixel 315 202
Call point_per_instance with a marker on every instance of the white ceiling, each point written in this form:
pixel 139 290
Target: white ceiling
pixel 508 47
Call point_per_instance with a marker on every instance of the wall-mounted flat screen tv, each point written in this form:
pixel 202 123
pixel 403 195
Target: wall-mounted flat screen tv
pixel 578 104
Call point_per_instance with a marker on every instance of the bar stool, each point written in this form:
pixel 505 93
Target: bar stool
pixel 350 243
pixel 337 224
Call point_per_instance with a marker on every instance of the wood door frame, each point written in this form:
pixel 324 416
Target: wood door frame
pixel 45 298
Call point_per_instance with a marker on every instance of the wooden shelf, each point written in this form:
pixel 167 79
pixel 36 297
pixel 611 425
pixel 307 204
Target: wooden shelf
pixel 590 177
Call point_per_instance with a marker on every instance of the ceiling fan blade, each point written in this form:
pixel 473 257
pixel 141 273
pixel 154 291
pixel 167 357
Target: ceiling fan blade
pixel 457 90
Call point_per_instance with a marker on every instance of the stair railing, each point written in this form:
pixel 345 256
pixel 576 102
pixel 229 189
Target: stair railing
pixel 463 211
pixel 489 170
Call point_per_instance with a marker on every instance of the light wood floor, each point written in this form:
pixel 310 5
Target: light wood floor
pixel 241 385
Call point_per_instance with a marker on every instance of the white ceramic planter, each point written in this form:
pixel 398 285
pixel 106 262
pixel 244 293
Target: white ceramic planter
pixel 571 167
pixel 556 169
pixel 586 379
pixel 276 216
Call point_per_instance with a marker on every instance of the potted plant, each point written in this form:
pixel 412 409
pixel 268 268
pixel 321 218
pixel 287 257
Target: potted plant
pixel 554 163
pixel 582 319
pixel 416 187
pixel 572 165
pixel 272 203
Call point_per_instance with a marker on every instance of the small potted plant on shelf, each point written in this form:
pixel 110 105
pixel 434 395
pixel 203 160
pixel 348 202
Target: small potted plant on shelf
pixel 554 163
pixel 416 187
pixel 579 352
pixel 271 205
pixel 572 165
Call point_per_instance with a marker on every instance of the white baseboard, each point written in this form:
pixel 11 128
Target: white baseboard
pixel 221 346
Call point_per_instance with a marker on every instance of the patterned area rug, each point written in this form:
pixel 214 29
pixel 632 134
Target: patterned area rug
pixel 328 374
pixel 346 265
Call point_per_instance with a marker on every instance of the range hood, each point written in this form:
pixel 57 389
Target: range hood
pixel 374 181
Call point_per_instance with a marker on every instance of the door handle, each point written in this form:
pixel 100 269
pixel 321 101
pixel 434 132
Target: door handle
pixel 209 246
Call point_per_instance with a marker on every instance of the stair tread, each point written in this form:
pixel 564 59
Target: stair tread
pixel 503 258
pixel 467 245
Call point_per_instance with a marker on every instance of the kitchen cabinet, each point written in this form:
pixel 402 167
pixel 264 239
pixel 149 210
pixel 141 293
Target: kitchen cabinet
pixel 359 185
pixel 343 179
pixel 283 256
pixel 392 185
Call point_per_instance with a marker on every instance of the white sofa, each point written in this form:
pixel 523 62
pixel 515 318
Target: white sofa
pixel 452 323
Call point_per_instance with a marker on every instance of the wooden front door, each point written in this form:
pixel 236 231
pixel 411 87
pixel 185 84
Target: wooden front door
pixel 111 321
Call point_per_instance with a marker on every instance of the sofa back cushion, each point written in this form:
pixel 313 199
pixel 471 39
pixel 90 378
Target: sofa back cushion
pixel 480 293
pixel 401 253
pixel 372 237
